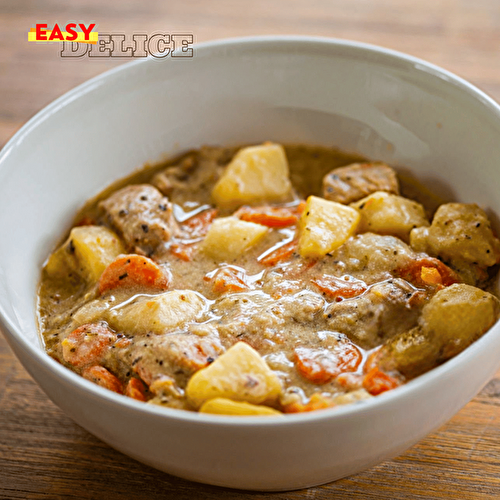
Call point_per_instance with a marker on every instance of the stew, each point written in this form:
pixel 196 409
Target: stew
pixel 265 280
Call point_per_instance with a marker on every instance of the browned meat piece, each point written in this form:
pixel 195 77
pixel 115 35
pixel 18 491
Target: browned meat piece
pixel 171 357
pixel 197 172
pixel 353 182
pixel 262 321
pixel 385 310
pixel 142 216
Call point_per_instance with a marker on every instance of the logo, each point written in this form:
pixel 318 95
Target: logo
pixel 41 33
pixel 79 39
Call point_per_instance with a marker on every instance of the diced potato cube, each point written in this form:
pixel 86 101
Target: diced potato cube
pixel 95 248
pixel 324 226
pixel 224 406
pixel 458 315
pixel 459 232
pixel 87 251
pixel 239 374
pixel 158 314
pixel 256 174
pixel 389 214
pixel 410 352
pixel 229 237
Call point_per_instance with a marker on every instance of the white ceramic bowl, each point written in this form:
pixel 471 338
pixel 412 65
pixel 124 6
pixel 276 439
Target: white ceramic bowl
pixel 376 102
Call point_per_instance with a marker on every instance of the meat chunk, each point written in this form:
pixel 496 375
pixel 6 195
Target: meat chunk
pixel 142 216
pixel 173 357
pixel 353 182
pixel 382 312
pixel 196 172
pixel 460 235
pixel 262 321
pixel 369 257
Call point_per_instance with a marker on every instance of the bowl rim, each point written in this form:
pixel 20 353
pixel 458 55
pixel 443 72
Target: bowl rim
pixel 367 52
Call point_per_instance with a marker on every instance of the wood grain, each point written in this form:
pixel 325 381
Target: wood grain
pixel 43 454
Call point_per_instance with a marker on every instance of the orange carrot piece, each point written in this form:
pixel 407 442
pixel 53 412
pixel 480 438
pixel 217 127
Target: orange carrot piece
pixel 376 381
pixel 316 402
pixel 350 381
pixel 372 359
pixel 282 253
pixel 100 376
pixel 198 225
pixel 425 271
pixel 122 342
pixel 183 251
pixel 320 366
pixel 87 344
pixel 228 279
pixel 198 354
pixel 431 276
pixel 269 216
pixel 339 288
pixel 136 389
pixel 301 206
pixel 132 270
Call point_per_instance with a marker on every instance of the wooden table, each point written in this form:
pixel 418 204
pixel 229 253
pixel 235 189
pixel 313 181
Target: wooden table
pixel 43 454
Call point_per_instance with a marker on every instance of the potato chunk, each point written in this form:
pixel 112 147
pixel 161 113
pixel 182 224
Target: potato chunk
pixel 157 314
pixel 87 252
pixel 459 232
pixel 229 237
pixel 325 226
pixel 452 320
pixel 256 174
pixel 389 214
pixel 411 353
pixel 458 315
pixel 239 374
pixel 224 406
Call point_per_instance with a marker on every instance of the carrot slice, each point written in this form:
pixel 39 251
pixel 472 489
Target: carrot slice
pixel 136 389
pixel 183 251
pixel 376 381
pixel 228 279
pixel 428 271
pixel 87 344
pixel 132 270
pixel 198 225
pixel 320 366
pixel 301 206
pixel 316 402
pixel 100 376
pixel 269 216
pixel 339 288
pixel 282 253
pixel 350 381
